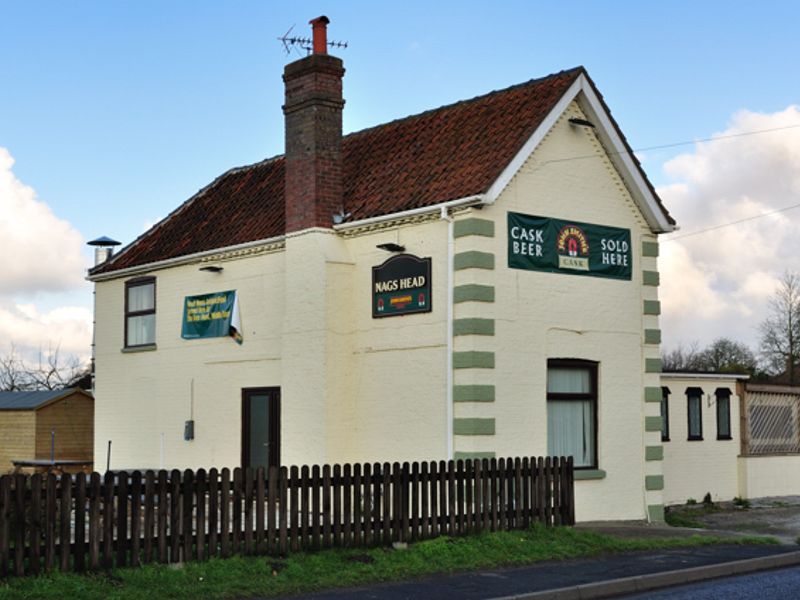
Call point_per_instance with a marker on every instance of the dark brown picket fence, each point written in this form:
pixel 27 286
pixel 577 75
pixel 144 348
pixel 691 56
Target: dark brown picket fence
pixel 129 518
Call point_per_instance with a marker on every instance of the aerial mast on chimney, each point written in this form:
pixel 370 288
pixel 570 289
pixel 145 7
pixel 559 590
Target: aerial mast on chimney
pixel 316 45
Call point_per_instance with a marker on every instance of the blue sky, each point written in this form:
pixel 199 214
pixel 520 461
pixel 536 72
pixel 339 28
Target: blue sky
pixel 116 112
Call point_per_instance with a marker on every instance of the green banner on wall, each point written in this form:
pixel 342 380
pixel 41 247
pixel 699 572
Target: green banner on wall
pixel 558 246
pixel 211 315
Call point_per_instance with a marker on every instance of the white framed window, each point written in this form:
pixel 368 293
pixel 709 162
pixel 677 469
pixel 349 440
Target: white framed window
pixel 572 411
pixel 140 312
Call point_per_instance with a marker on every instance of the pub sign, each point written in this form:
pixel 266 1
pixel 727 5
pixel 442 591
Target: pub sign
pixel 558 246
pixel 401 286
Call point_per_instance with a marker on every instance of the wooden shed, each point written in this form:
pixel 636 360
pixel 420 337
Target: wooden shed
pixel 45 425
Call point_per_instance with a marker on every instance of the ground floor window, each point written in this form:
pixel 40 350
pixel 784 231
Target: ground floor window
pixel 694 411
pixel 723 413
pixel 664 414
pixel 572 410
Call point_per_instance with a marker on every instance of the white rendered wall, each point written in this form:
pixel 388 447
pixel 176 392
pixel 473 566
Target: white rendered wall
pixel 697 467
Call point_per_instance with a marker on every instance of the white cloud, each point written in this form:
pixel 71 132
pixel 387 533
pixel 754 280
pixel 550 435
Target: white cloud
pixel 41 260
pixel 67 328
pixel 38 251
pixel 717 283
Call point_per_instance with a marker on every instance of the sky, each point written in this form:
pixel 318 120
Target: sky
pixel 114 113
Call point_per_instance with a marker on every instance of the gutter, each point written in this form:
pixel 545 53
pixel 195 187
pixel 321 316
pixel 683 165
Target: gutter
pixel 180 260
pixel 678 375
pixel 414 212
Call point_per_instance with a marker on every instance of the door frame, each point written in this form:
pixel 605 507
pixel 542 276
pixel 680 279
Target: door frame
pixel 274 423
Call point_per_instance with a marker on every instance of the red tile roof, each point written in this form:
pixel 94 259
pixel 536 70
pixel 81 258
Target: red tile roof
pixel 443 154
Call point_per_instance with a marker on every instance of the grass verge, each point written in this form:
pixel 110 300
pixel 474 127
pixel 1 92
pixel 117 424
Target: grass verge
pixel 249 576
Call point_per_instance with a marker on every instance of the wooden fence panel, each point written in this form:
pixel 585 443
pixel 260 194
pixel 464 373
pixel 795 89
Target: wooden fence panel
pixel 149 514
pixel 225 513
pixel 213 512
pixel 136 524
pixel 248 511
pixel 129 518
pixel 261 498
pixel 163 489
pixel 294 508
pixel 50 524
pixel 200 514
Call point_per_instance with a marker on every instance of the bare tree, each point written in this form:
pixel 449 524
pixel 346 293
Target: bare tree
pixel 682 358
pixel 780 331
pixel 727 356
pixel 51 371
pixel 13 374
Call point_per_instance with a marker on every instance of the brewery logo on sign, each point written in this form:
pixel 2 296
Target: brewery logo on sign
pixel 573 248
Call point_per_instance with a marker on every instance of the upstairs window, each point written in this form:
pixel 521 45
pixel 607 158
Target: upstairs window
pixel 664 414
pixel 694 411
pixel 140 312
pixel 723 413
pixel 572 411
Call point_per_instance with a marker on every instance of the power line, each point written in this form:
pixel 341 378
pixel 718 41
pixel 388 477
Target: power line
pixel 753 218
pixel 677 144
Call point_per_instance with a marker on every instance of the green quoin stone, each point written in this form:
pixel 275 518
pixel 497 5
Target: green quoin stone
pixel 473 393
pixel 654 482
pixel 652 423
pixel 473 426
pixel 473 292
pixel 472 455
pixel 652 307
pixel 654 453
pixel 650 249
pixel 473 259
pixel 473 326
pixel 652 394
pixel 473 359
pixel 650 278
pixel 656 512
pixel 652 336
pixel 652 365
pixel 473 226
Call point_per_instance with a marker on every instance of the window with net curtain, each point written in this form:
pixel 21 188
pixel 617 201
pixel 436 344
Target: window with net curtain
pixel 140 312
pixel 572 410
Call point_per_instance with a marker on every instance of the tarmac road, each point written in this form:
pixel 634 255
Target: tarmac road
pixel 781 584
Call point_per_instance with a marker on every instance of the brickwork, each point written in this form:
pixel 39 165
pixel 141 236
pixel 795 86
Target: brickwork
pixel 313 112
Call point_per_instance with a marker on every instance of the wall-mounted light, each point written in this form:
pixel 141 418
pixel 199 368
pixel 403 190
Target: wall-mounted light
pixel 211 268
pixel 581 122
pixel 391 247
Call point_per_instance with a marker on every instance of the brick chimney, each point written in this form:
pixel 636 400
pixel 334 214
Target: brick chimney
pixel 313 114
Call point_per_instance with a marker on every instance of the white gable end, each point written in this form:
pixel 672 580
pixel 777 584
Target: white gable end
pixel 583 93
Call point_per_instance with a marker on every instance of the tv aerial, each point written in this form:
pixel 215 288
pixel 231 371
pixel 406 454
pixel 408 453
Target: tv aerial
pixel 297 44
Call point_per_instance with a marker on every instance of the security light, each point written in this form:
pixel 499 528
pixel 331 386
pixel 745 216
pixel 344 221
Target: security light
pixel 391 247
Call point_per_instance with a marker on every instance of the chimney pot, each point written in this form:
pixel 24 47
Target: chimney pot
pixel 320 34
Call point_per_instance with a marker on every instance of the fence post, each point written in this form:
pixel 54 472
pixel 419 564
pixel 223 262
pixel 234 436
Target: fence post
pixel 95 526
pixel 5 500
pixel 136 513
pixel 213 511
pixel 225 513
pixel 66 525
pixel 261 498
pixel 200 495
pixel 80 522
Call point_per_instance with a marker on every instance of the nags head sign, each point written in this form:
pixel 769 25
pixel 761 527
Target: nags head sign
pixel 401 286
pixel 557 246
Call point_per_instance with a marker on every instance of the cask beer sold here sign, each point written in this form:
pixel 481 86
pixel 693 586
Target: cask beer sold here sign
pixel 573 247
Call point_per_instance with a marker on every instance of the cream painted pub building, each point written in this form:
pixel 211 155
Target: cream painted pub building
pixel 476 280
